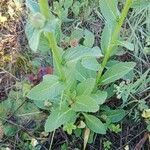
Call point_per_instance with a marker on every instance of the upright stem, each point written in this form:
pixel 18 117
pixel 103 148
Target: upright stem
pixel 56 54
pixel 114 39
pixel 44 8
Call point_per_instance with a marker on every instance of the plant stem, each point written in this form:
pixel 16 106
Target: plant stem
pixel 44 8
pixel 56 53
pixel 114 39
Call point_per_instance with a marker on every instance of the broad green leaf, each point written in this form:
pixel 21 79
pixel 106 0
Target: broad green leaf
pixel 48 89
pixel 59 117
pixel 33 6
pixel 90 63
pixel 88 38
pixel 82 73
pixel 95 124
pixel 115 115
pixel 69 70
pixel 86 87
pixel 43 44
pixel 76 8
pixel 106 35
pixel 68 3
pixel 29 29
pixel 50 26
pixel 109 9
pixel 33 36
pixel 111 63
pixel 37 20
pixel 34 40
pixel 100 97
pixel 77 34
pixel 15 99
pixel 116 72
pixel 126 44
pixel 77 53
pixel 85 103
pixel 53 26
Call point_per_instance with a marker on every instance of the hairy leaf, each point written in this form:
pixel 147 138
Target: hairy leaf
pixel 100 97
pixel 85 103
pixel 88 38
pixel 48 89
pixel 95 124
pixel 126 44
pixel 115 115
pixel 90 63
pixel 109 9
pixel 116 72
pixel 59 117
pixel 86 87
pixel 33 6
pixel 79 52
pixel 82 73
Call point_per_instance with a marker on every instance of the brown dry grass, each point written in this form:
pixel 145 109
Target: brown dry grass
pixel 12 43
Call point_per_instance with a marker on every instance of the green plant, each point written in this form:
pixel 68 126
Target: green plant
pixel 78 87
pixel 107 145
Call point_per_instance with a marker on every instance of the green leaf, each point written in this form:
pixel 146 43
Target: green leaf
pixel 68 3
pixel 48 89
pixel 37 20
pixel 106 35
pixel 95 124
pixel 100 97
pixel 85 103
pixel 69 127
pixel 59 117
pixel 10 130
pixel 33 36
pixel 90 63
pixel 126 44
pixel 51 25
pixel 115 115
pixel 116 72
pixel 77 53
pixel 86 87
pixel 88 38
pixel 82 73
pixel 77 34
pixel 43 44
pixel 33 6
pixel 34 40
pixel 76 8
pixel 109 9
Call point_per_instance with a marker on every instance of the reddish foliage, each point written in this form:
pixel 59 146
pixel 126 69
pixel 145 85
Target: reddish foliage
pixel 35 79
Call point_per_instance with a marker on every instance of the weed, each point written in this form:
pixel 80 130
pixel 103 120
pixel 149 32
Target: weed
pixel 75 88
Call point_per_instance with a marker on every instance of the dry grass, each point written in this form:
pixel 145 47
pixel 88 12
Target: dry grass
pixel 12 43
